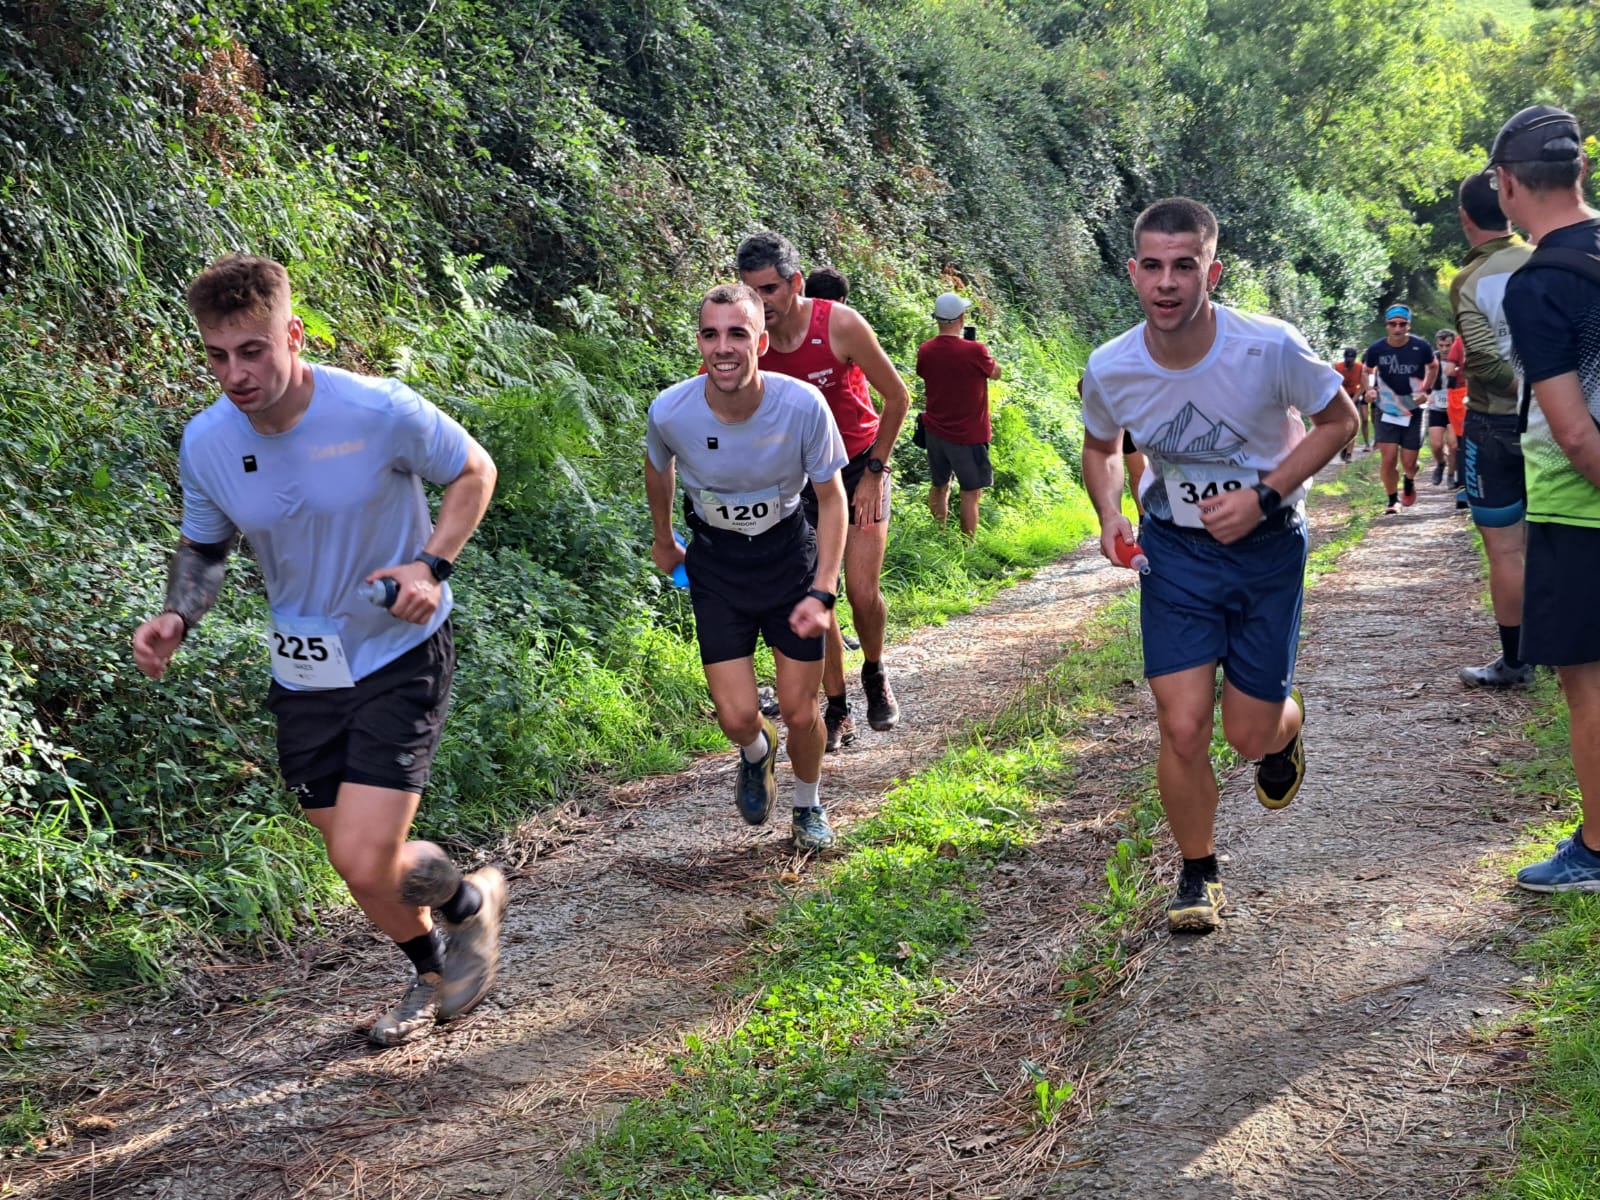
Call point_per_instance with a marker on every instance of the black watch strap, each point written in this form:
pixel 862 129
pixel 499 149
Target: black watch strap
pixel 442 568
pixel 1270 500
pixel 826 599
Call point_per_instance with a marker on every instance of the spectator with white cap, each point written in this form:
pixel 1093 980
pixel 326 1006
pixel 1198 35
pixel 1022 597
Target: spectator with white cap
pixel 955 370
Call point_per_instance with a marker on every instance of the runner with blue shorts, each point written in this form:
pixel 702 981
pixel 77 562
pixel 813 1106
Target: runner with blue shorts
pixel 1214 397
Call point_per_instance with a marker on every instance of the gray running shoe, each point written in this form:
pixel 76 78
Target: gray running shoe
pixel 840 726
pixel 1498 675
pixel 811 830
pixel 413 1017
pixel 473 951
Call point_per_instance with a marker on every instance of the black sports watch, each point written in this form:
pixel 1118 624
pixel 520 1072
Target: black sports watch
pixel 1271 501
pixel 442 568
pixel 878 467
pixel 826 599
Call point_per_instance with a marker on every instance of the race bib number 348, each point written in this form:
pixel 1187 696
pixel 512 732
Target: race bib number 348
pixel 308 653
pixel 1191 485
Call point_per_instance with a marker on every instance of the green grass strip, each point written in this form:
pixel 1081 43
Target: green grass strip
pixel 1558 1144
pixel 849 972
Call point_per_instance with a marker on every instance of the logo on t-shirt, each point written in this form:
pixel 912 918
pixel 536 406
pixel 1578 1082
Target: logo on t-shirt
pixel 249 463
pixel 711 443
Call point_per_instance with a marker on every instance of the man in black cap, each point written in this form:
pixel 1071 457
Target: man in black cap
pixel 1553 308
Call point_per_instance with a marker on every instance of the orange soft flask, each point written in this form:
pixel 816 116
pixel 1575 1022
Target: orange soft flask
pixel 1130 555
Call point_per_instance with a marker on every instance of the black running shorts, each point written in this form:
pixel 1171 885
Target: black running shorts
pixel 1438 418
pixel 1560 582
pixel 383 732
pixel 850 475
pixel 1491 450
pixel 1407 437
pixel 742 588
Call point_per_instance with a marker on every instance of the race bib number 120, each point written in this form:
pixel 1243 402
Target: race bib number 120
pixel 749 513
pixel 308 653
pixel 1190 485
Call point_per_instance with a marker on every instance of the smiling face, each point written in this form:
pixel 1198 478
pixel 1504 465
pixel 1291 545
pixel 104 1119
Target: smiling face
pixel 1173 274
pixel 255 358
pixel 731 338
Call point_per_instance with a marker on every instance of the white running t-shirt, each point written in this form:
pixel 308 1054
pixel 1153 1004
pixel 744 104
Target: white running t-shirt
pixel 1219 425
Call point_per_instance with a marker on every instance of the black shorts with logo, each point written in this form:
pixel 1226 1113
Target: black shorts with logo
pixel 850 474
pixel 744 587
pixel 1407 437
pixel 1491 452
pixel 383 732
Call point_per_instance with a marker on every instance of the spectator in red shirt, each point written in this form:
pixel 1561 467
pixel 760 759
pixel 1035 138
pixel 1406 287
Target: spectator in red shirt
pixel 955 370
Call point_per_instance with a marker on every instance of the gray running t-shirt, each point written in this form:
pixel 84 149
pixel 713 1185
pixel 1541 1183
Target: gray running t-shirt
pixel 745 477
pixel 326 502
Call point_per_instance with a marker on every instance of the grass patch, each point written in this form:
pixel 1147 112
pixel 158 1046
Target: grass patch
pixel 849 972
pixel 1558 1145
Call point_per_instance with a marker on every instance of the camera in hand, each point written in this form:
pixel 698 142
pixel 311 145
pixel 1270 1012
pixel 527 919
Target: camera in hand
pixel 970 332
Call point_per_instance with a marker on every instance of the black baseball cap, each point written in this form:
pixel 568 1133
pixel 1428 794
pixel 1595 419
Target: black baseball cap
pixel 1349 352
pixel 1537 134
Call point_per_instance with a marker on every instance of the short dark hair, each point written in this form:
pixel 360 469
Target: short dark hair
pixel 1177 214
pixel 768 249
pixel 239 283
pixel 733 293
pixel 825 283
pixel 1480 201
pixel 1561 176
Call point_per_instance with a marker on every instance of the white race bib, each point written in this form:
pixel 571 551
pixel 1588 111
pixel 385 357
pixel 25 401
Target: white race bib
pixel 1390 407
pixel 308 653
pixel 1396 418
pixel 1189 485
pixel 750 513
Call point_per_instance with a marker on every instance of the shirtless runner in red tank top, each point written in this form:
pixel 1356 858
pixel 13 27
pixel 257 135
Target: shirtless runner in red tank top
pixel 831 346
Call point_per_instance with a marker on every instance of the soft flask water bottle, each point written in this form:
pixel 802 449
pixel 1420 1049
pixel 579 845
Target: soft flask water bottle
pixel 381 592
pixel 1130 555
pixel 680 577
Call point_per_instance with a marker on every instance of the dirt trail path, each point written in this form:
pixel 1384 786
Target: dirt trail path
pixel 626 914
pixel 1315 1047
pixel 1321 1045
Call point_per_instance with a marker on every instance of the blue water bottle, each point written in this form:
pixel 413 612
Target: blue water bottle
pixel 680 577
pixel 382 591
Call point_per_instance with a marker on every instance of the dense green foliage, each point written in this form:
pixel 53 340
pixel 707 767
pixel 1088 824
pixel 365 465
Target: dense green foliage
pixel 510 206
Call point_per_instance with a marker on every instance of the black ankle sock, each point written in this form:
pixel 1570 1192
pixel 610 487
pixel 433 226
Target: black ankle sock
pixel 839 703
pixel 426 952
pixel 465 903
pixel 871 668
pixel 1207 866
pixel 1394 498
pixel 1511 645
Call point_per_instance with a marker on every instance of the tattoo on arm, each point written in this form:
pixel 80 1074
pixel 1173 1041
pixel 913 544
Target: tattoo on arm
pixel 194 579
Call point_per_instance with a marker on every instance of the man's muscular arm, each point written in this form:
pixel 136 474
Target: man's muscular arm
pixel 194 579
pixel 852 340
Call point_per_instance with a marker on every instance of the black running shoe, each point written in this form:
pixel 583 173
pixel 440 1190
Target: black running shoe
pixel 1279 775
pixel 757 787
pixel 841 726
pixel 1438 473
pixel 1198 903
pixel 883 713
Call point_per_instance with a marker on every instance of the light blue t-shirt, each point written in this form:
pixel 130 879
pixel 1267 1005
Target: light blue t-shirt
pixel 327 502
pixel 745 477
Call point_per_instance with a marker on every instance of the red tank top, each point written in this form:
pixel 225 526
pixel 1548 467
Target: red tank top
pixel 842 385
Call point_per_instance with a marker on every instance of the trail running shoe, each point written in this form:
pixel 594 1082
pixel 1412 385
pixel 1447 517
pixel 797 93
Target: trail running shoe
pixel 882 710
pixel 1345 454
pixel 841 726
pixel 1390 509
pixel 1498 675
pixel 1279 775
pixel 757 787
pixel 811 830
pixel 1438 472
pixel 1408 493
pixel 413 1017
pixel 1198 903
pixel 472 953
pixel 1572 868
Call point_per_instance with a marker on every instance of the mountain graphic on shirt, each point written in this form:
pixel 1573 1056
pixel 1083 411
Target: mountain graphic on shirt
pixel 1193 435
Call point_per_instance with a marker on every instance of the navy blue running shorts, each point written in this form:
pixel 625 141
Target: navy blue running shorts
pixel 1237 605
pixel 1492 455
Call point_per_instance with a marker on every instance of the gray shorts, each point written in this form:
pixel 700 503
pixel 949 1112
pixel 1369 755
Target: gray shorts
pixel 969 463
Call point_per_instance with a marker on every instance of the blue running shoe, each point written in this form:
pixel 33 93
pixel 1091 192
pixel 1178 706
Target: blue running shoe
pixel 757 787
pixel 811 830
pixel 1572 868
